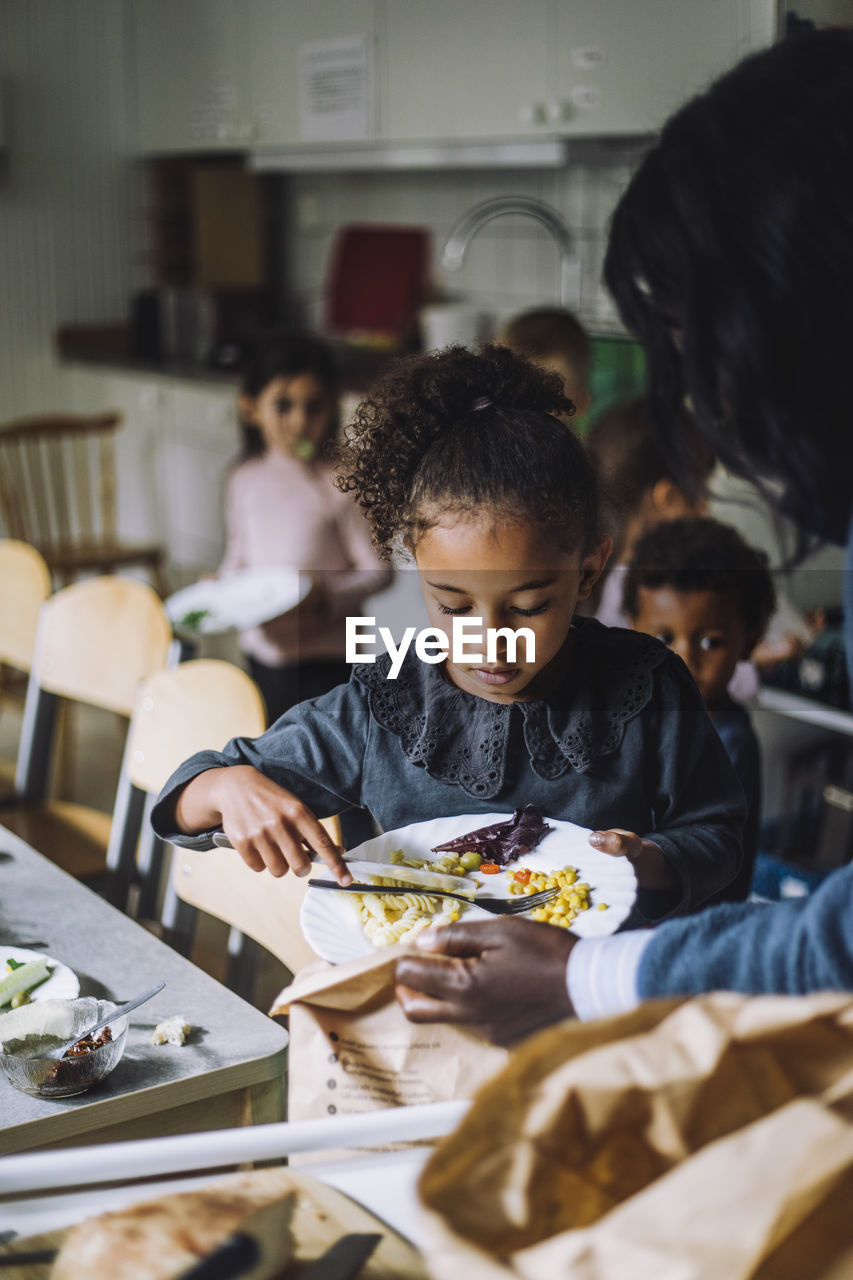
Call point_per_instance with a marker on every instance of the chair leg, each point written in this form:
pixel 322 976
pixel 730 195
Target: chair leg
pixel 151 858
pixel 124 835
pixel 34 755
pixel 178 918
pixel 242 964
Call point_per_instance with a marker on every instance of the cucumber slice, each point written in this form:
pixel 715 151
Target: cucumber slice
pixel 26 977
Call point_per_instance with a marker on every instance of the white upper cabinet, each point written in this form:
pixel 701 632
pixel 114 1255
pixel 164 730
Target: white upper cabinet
pixel 231 74
pixel 277 35
pixel 623 68
pixel 189 75
pixel 466 68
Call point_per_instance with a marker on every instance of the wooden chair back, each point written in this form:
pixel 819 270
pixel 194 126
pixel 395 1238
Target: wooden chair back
pixel 97 639
pixel 58 478
pixel 201 704
pixel 24 586
pixel 58 492
pixel 195 706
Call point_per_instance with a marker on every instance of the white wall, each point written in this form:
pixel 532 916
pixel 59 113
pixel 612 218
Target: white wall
pixel 512 262
pixel 65 201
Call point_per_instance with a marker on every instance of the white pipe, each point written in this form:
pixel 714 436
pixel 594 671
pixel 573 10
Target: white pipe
pixel 121 1161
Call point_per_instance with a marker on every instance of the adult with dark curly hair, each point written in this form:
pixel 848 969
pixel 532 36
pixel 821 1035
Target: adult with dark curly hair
pixel 462 459
pixel 731 257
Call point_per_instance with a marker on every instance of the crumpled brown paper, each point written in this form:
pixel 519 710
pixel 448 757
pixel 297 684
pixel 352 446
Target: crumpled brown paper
pixel 353 1050
pixel 703 1140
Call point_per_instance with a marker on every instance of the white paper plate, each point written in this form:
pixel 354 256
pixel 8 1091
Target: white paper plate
pixel 241 600
pixel 63 983
pixel 332 929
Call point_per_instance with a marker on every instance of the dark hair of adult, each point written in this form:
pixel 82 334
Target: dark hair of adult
pixel 696 553
pixel 455 430
pixel 731 258
pixel 287 355
pixel 630 460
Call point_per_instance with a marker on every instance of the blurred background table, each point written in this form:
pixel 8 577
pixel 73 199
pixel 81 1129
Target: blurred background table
pixel 230 1073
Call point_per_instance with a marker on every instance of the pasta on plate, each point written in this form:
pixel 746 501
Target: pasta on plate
pixel 399 917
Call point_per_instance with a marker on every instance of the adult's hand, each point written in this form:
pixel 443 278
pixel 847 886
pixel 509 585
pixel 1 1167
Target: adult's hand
pixel 269 826
pixel 505 978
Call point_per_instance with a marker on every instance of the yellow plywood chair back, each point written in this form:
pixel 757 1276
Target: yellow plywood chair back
pixel 195 706
pixel 96 641
pixel 25 585
pixel 58 492
pixel 99 638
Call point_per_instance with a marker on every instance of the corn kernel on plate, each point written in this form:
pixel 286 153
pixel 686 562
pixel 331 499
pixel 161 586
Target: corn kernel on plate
pixel 596 890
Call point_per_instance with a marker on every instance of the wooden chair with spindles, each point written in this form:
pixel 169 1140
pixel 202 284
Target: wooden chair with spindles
pixel 200 705
pixel 58 492
pixel 24 587
pixel 96 641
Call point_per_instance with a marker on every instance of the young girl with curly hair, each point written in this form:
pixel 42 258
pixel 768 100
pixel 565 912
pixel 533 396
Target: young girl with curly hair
pixel 462 460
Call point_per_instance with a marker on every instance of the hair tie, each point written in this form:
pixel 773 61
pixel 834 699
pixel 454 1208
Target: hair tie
pixel 482 402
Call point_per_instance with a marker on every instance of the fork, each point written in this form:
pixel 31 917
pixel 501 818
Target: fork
pixel 497 906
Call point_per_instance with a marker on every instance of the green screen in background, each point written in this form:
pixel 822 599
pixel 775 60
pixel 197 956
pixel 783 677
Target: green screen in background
pixel 617 372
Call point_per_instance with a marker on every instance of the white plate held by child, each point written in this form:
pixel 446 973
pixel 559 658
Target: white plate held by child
pixel 332 928
pixel 240 601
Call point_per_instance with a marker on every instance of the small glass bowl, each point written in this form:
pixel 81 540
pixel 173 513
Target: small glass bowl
pixel 47 1023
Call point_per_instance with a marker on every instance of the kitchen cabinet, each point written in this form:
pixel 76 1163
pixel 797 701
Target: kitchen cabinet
pixel 190 79
pixel 625 69
pixel 225 74
pixel 477 69
pixel 501 68
pixel 173 453
pixel 200 442
pixel 274 34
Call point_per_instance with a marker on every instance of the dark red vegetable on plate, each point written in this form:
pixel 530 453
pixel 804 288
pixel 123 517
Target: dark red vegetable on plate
pixel 502 842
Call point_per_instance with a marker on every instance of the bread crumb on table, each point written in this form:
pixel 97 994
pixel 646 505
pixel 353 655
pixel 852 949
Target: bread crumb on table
pixel 171 1030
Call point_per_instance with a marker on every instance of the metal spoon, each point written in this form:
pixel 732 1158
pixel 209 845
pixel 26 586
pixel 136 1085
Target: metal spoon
pixel 102 1022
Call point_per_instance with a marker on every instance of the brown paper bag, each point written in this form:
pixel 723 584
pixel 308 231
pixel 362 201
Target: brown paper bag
pixel 353 1050
pixel 706 1140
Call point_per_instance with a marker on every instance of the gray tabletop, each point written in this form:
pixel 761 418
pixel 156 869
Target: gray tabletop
pixel 232 1045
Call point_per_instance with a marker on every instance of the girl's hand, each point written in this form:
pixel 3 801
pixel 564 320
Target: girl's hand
pixel 650 866
pixel 267 825
pixel 504 978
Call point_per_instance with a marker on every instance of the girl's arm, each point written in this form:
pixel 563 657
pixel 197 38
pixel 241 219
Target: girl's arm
pixel 269 826
pixel 265 792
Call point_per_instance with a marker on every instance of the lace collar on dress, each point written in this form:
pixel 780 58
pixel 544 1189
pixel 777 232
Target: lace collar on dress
pixel 460 738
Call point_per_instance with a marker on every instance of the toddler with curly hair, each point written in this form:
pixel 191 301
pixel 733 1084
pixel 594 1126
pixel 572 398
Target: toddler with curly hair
pixel 461 459
pixel 696 585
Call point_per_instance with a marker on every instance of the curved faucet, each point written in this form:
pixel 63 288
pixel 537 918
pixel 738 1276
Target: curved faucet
pixel 471 222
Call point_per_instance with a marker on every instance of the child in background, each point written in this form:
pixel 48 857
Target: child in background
pixel 282 509
pixel 696 585
pixel 638 489
pixel 462 459
pixel 553 339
